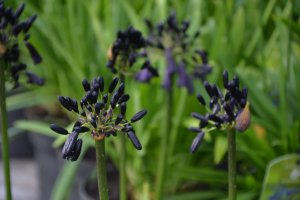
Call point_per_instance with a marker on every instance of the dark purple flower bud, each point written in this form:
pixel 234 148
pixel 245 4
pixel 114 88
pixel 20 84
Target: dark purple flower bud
pixel 242 103
pixel 81 129
pixel 220 92
pixel 58 129
pixel 214 90
pixel 19 10
pixel 244 92
pixel 184 79
pixel 208 88
pixel 26 37
pixel 200 117
pixel 89 97
pixel 135 141
pixel 143 76
pixel 202 124
pixel 171 66
pixel 114 99
pixel 232 87
pixel 149 25
pixel 29 22
pixel 101 83
pixel 211 104
pixel 118 119
pixel 82 113
pixel 225 79
pixel 216 109
pixel 34 54
pixel 104 113
pixel 17 84
pixel 96 87
pixel 196 143
pixel 69 145
pixel 86 85
pixel 124 98
pixel 139 115
pixel 227 96
pixel 75 106
pixel 121 89
pixel 105 98
pixel 94 97
pixel 16 77
pixel 76 124
pixel 194 129
pixel 18 28
pixel 97 108
pixel 127 128
pixel 113 84
pixel 236 80
pixel 218 125
pixel 228 110
pixel 77 150
pixel 215 118
pixel 201 99
pixel 89 108
pixel 84 100
pixel 34 79
pixel 93 122
pixel 197 34
pixel 93 81
pixel 123 108
pixel 65 103
pixel 110 64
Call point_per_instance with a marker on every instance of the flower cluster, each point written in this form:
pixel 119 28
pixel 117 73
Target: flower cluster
pixel 13 34
pixel 171 38
pixel 97 116
pixel 125 51
pixel 229 112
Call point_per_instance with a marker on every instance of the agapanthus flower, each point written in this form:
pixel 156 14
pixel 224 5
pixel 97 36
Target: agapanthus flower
pixel 225 112
pixel 97 116
pixel 124 52
pixel 177 45
pixel 13 34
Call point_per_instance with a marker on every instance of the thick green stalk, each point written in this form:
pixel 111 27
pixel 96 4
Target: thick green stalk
pixel 101 169
pixel 161 171
pixel 231 165
pixel 5 150
pixel 123 193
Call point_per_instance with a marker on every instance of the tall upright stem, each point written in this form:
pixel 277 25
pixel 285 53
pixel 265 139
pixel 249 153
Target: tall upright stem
pixel 161 171
pixel 231 165
pixel 5 150
pixel 101 169
pixel 123 193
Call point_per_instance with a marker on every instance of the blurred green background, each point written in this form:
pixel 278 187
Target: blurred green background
pixel 256 40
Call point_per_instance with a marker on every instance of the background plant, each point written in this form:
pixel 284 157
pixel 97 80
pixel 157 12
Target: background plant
pixel 257 40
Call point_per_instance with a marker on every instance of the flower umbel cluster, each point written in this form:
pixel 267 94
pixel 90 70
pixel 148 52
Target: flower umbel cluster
pixel 13 34
pixel 229 112
pixel 172 38
pixel 97 116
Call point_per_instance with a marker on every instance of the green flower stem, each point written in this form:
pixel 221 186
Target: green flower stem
pixel 5 150
pixel 231 165
pixel 101 169
pixel 123 193
pixel 161 171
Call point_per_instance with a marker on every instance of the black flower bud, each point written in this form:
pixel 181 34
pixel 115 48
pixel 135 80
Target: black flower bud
pixel 93 81
pixel 82 113
pixel 225 79
pixel 135 141
pixel 201 99
pixel 75 106
pixel 127 128
pixel 105 98
pixel 58 129
pixel 232 87
pixel 77 150
pixel 97 108
pixel 118 119
pixel 89 108
pixel 245 92
pixel 207 88
pixel 65 103
pixel 113 84
pixel 19 10
pixel 123 108
pixel 81 129
pixel 236 80
pixel 124 98
pixel 104 113
pixel 121 89
pixel 94 97
pixel 214 90
pixel 200 117
pixel 215 118
pixel 218 125
pixel 227 96
pixel 89 97
pixel 93 122
pixel 228 110
pixel 196 143
pixel 86 85
pixel 194 129
pixel 139 115
pixel 242 103
pixel 29 22
pixel 76 124
pixel 69 145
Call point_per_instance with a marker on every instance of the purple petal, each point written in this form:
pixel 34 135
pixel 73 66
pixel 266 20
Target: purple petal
pixel 34 79
pixel 34 54
pixel 203 55
pixel 171 66
pixel 184 80
pixel 167 82
pixel 143 76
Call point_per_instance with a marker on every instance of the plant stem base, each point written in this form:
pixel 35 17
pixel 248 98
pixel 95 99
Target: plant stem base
pixel 231 164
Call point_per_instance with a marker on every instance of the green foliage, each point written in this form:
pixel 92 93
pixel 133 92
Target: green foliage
pixel 256 40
